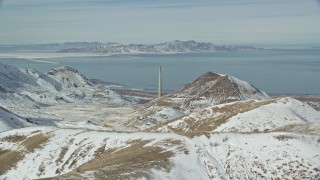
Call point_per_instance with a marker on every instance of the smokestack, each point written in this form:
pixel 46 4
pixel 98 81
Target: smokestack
pixel 160 83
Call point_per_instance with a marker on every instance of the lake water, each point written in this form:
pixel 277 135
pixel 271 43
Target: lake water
pixel 274 71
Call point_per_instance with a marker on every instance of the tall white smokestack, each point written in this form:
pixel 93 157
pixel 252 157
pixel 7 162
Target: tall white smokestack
pixel 160 83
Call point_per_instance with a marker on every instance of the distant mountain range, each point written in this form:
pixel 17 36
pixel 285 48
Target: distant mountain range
pixel 167 47
pixel 116 48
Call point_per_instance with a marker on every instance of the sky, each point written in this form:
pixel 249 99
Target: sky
pixel 151 21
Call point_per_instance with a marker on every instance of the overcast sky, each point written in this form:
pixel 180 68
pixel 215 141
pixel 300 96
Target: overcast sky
pixel 151 21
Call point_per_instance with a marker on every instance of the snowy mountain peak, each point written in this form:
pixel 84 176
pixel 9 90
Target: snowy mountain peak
pixel 206 91
pixel 69 77
pixel 63 69
pixel 218 88
pixel 66 68
pixel 33 73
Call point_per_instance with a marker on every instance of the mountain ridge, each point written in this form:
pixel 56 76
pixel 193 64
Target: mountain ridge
pixel 176 46
pixel 32 88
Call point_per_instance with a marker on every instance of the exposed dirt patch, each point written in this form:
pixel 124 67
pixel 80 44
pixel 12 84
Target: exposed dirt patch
pixel 63 153
pixel 61 156
pixel 79 153
pixel 135 92
pixel 132 162
pixel 169 143
pixel 192 134
pixel 163 102
pixel 299 128
pixel 35 141
pixel 8 159
pixel 82 154
pixel 283 137
pixel 15 138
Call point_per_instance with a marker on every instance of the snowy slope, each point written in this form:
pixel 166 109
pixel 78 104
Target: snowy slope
pixel 48 152
pixel 246 90
pixel 14 79
pixel 247 116
pixel 259 156
pixel 27 87
pixel 23 86
pixel 30 94
pixel 9 121
pixel 283 112
pixel 62 150
pixel 69 77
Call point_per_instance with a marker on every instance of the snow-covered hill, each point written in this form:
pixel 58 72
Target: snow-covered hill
pixel 27 87
pixel 213 88
pixel 284 114
pixel 69 77
pixel 30 95
pixel 40 152
pixel 208 90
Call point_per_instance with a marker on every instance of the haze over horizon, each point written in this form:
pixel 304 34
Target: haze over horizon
pixel 143 21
